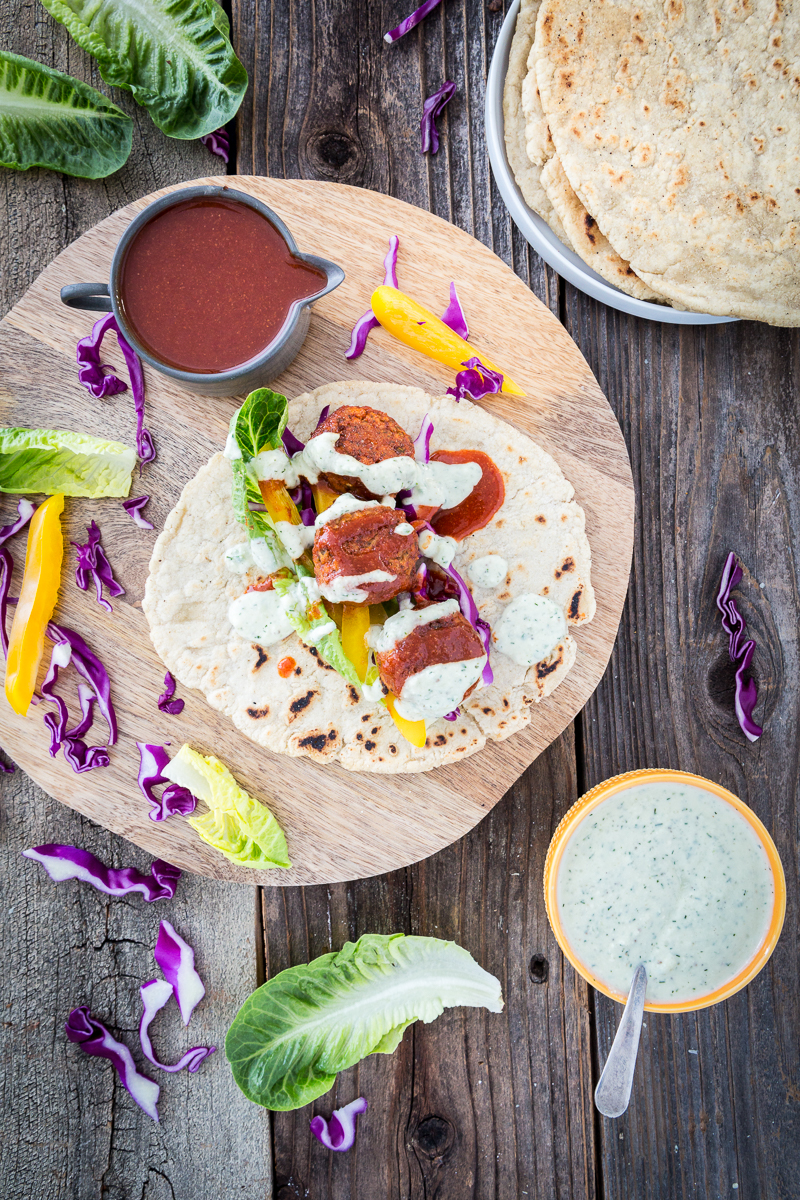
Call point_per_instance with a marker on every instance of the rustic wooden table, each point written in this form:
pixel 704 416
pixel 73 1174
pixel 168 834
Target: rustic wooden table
pixel 474 1105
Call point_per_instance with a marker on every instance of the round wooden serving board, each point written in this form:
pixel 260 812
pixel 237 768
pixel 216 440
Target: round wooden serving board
pixel 339 825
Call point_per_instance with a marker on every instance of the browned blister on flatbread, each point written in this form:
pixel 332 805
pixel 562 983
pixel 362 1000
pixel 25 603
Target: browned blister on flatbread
pixel 311 710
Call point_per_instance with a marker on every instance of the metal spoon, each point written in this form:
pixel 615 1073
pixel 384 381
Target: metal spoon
pixel 613 1091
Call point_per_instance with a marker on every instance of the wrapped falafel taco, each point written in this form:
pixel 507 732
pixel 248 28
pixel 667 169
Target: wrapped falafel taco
pixel 372 576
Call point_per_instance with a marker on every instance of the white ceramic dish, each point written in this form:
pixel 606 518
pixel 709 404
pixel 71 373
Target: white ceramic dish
pixel 537 231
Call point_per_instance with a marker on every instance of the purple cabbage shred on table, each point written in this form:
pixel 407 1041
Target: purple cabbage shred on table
pixel 93 1038
pixel 166 703
pixel 340 1132
pixel 365 324
pixel 476 381
pixel 219 143
pixel 91 375
pixel 133 507
pixel 71 862
pixel 739 650
pixel 174 799
pixel 453 316
pixel 431 109
pixel 412 20
pixel 96 689
pixel 93 566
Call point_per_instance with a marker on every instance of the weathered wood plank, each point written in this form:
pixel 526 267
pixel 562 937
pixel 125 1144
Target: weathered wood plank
pixel 475 1104
pixel 710 421
pixel 70 1128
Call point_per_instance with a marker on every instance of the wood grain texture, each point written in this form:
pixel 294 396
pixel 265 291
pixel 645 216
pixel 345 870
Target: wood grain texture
pixel 716 410
pixel 406 817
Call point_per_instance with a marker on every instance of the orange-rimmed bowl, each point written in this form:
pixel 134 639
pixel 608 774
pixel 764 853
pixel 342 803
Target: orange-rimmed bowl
pixel 612 787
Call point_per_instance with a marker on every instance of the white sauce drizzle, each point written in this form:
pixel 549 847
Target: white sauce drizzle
pixel 274 464
pixel 489 571
pixel 346 503
pixel 438 689
pixel 315 636
pixel 263 557
pixel 395 628
pixel 382 478
pixel 260 617
pixel 231 448
pixel 670 876
pixel 239 558
pixel 295 538
pixel 529 629
pixel 345 589
pixel 404 529
pixel 441 550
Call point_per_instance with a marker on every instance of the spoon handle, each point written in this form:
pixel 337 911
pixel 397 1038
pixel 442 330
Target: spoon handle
pixel 613 1090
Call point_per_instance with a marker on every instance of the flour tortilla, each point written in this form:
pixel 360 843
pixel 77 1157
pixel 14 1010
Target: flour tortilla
pixel 678 127
pixel 314 712
pixel 585 236
pixel 527 171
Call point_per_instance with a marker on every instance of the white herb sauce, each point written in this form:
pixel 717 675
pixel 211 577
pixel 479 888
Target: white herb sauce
pixel 346 503
pixel 346 589
pixel 400 624
pixel 671 876
pixel 239 558
pixel 382 478
pixel 263 556
pixel 489 571
pixel 438 689
pixel 295 538
pixel 529 629
pixel 231 450
pixel 260 617
pixel 274 464
pixel 441 550
pixel 456 480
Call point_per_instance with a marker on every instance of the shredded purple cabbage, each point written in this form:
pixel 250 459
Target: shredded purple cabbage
pixel 340 1132
pixel 175 957
pixel 219 143
pixel 26 511
pixel 453 716
pixel 409 22
pixel 6 569
pixel 70 648
pixel 401 501
pixel 89 667
pixel 476 381
pixel 7 768
pixel 422 442
pixel 165 701
pixel 745 690
pixel 70 862
pixel 453 316
pixel 431 109
pixel 155 995
pixel 291 444
pixel 323 416
pixel 174 799
pixel 93 565
pixel 90 374
pixel 364 325
pixel 93 1038
pixel 133 508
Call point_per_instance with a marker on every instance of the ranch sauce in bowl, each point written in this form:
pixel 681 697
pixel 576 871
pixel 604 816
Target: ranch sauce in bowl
pixel 670 870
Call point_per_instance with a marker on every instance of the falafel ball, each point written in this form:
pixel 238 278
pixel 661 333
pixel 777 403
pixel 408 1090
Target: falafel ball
pixel 367 434
pixel 447 639
pixel 360 542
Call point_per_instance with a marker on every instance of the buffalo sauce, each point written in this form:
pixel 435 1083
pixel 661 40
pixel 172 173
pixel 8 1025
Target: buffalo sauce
pixel 480 505
pixel 286 666
pixel 206 284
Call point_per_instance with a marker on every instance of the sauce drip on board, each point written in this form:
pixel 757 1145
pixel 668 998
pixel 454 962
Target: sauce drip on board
pixel 480 505
pixel 207 284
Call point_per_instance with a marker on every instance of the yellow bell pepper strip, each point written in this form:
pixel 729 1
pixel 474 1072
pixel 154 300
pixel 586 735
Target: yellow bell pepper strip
pixel 335 614
pixel 355 626
pixel 423 331
pixel 323 496
pixel 37 600
pixel 277 501
pixel 412 731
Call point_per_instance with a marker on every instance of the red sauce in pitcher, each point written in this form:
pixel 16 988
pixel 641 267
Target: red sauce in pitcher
pixel 206 284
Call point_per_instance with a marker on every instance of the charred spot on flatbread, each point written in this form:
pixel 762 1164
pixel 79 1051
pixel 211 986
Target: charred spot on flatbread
pixel 543 669
pixel 566 567
pixel 257 713
pixel 439 740
pixel 369 745
pixel 541 518
pixel 575 605
pixel 262 656
pixel 300 703
pixel 352 692
pixel 317 743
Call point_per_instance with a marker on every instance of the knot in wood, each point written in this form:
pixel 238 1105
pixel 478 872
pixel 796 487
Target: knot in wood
pixel 434 1136
pixel 289 1188
pixel 334 154
pixel 539 968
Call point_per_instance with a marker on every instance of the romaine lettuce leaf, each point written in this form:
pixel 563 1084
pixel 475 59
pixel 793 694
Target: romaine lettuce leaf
pixel 48 119
pixel 55 460
pixel 259 423
pixel 241 828
pixel 307 613
pixel 173 55
pixel 291 1037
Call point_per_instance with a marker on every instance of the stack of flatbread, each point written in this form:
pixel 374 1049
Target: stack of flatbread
pixel 660 140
